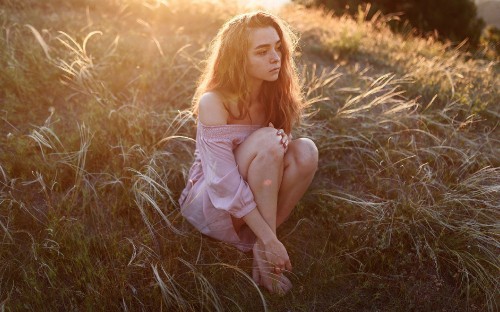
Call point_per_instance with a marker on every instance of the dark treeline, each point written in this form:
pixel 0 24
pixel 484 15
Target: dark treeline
pixel 455 20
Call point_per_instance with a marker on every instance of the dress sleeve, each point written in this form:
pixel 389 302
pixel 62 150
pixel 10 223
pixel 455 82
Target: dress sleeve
pixel 225 186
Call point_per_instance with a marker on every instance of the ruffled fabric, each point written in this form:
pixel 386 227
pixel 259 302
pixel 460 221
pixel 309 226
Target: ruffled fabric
pixel 215 190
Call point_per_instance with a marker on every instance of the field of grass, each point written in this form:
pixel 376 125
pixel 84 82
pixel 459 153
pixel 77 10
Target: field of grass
pixel 403 214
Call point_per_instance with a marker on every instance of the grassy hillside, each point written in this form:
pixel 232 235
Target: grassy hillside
pixel 402 215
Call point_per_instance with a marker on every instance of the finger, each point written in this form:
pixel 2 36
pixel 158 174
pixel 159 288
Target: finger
pixel 284 142
pixel 281 264
pixel 288 265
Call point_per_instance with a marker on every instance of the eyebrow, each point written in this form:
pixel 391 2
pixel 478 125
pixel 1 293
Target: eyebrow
pixel 266 45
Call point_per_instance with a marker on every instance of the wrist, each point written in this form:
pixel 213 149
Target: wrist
pixel 266 241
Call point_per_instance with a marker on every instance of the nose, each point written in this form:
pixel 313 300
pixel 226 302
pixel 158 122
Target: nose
pixel 275 57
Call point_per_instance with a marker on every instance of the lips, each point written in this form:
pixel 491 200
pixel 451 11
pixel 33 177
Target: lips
pixel 274 70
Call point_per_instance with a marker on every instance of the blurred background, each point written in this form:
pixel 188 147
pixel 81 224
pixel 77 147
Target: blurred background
pixel 489 10
pixel 478 21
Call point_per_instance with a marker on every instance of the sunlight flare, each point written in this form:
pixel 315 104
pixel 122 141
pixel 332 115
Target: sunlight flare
pixel 270 5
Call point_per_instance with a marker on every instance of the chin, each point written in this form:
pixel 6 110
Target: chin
pixel 273 78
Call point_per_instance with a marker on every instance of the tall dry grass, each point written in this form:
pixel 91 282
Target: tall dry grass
pixel 403 213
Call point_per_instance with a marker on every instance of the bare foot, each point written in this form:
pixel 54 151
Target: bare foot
pixel 256 276
pixel 263 275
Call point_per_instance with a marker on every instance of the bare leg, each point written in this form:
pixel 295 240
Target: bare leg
pixel 277 181
pixel 300 166
pixel 264 177
pixel 260 160
pixel 301 162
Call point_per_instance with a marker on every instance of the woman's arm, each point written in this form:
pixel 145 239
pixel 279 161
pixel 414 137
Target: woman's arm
pixel 213 113
pixel 275 251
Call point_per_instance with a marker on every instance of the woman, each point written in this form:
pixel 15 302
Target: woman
pixel 248 173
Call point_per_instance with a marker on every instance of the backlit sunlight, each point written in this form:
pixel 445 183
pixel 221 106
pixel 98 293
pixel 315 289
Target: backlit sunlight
pixel 271 5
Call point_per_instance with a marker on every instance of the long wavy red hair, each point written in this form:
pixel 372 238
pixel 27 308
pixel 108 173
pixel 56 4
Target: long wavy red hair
pixel 225 71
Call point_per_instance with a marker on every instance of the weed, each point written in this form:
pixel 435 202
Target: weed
pixel 403 211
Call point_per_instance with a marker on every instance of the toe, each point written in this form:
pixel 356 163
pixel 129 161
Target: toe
pixel 286 284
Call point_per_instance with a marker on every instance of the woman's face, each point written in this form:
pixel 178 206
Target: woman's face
pixel 264 54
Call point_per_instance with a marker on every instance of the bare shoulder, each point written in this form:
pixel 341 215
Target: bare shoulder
pixel 211 110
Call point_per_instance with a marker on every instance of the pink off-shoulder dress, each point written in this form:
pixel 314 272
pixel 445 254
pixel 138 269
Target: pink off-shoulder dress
pixel 215 190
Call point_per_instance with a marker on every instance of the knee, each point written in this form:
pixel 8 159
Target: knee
pixel 269 146
pixel 305 156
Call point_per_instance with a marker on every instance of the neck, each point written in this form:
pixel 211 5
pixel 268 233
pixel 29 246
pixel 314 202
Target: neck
pixel 255 86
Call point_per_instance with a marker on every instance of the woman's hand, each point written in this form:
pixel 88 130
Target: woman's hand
pixel 266 272
pixel 277 256
pixel 284 137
